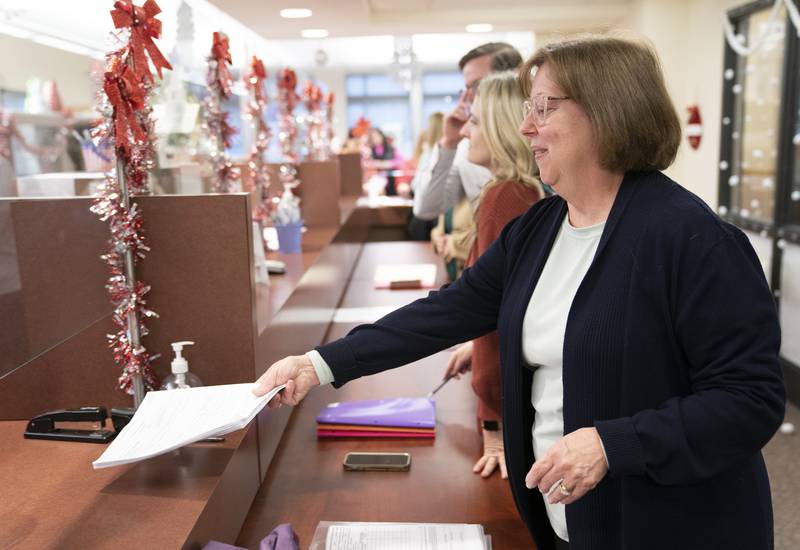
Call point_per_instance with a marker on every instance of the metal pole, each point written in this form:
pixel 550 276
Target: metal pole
pixel 134 337
pixel 222 187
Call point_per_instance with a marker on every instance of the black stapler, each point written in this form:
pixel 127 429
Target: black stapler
pixel 275 266
pixel 44 426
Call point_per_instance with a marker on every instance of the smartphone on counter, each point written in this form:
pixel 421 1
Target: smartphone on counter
pixel 367 462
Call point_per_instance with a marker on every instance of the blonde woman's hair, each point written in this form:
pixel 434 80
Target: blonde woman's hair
pixel 500 116
pixel 435 128
pixel 419 147
pixel 430 135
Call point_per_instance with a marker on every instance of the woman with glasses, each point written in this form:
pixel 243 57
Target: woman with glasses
pixel 638 336
pixel 494 143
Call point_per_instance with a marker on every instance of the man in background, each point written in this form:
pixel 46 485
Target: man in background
pixel 449 176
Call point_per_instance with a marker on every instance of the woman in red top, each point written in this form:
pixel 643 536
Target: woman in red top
pixel 496 143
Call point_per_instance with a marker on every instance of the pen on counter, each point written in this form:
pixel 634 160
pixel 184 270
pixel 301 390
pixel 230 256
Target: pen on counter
pixel 440 386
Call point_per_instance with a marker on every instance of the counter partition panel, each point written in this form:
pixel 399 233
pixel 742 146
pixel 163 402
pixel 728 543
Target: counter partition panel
pixel 55 313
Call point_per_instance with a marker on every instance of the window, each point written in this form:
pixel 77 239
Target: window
pixel 759 168
pixel 440 92
pixel 11 100
pixel 384 101
pixel 755 84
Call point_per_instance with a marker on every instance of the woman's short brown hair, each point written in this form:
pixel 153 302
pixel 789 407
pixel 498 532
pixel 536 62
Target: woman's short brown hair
pixel 619 83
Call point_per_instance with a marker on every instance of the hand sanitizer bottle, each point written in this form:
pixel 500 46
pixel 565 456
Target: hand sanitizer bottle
pixel 180 378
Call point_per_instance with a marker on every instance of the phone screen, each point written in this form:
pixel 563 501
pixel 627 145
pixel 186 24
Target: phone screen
pixel 377 459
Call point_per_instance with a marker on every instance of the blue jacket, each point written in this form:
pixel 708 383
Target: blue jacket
pixel 670 351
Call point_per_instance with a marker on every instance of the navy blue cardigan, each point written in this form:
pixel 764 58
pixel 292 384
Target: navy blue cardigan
pixel 670 351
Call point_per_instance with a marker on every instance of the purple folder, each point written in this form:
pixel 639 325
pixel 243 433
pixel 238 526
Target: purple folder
pixel 399 412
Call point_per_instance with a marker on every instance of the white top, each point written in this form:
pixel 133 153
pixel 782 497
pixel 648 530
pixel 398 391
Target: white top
pixel 321 367
pixel 543 339
pixel 447 178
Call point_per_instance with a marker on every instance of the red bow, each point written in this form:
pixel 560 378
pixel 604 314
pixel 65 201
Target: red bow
pixel 221 48
pixel 256 77
pixel 362 127
pixel 220 51
pixel 126 96
pixel 312 95
pixel 258 68
pixel 144 28
pixel 287 80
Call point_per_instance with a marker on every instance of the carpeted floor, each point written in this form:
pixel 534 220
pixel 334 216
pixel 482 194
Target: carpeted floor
pixel 782 454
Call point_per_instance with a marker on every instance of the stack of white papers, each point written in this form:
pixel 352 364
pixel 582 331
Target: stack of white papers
pixel 168 420
pixel 399 536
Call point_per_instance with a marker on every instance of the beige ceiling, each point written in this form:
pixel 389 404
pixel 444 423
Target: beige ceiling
pixel 406 17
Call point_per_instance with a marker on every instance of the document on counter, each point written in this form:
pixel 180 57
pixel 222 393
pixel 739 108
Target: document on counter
pixel 168 420
pixel 400 276
pixel 400 536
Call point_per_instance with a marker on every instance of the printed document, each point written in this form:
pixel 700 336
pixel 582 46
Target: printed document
pixel 405 536
pixel 168 420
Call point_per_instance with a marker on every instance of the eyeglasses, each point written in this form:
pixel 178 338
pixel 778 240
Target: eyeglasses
pixel 467 93
pixel 470 88
pixel 540 107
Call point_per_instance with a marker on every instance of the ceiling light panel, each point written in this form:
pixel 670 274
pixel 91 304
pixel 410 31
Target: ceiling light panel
pixel 295 13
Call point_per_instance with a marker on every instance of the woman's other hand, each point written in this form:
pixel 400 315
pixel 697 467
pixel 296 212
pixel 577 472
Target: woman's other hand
pixel 449 249
pixel 460 362
pixel 296 371
pixel 438 244
pixel 570 468
pixel 493 455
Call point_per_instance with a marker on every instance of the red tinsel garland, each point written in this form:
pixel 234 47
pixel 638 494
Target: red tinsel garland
pixel 255 111
pixel 318 138
pixel 329 101
pixel 127 121
pixel 287 97
pixel 215 119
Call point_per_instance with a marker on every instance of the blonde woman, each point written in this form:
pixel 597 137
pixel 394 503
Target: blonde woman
pixel 495 143
pixel 425 143
pixel 454 233
pixel 419 229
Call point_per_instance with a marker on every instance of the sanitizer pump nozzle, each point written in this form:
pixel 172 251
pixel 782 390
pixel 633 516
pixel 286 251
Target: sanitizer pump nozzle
pixel 180 378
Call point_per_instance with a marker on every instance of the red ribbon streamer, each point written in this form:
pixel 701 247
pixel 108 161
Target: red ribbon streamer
pixel 126 96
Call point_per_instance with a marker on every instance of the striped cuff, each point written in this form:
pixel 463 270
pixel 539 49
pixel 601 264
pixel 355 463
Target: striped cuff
pixel 321 367
pixel 623 449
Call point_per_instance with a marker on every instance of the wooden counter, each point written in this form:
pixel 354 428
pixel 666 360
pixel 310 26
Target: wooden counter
pixel 53 499
pixel 306 483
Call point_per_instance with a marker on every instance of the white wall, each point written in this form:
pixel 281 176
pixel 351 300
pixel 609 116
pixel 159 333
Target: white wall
pixel 686 33
pixel 688 37
pixel 24 59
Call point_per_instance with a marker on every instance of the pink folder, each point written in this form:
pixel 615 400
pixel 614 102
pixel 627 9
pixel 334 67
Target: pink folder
pixel 404 435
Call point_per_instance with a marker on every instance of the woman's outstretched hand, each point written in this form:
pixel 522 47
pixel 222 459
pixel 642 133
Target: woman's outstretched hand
pixel 296 371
